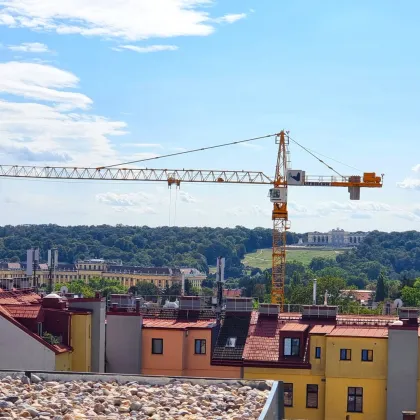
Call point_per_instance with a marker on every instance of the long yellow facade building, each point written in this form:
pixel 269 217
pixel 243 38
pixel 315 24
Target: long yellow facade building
pixel 15 274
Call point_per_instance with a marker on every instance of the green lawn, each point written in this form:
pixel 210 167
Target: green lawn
pixel 262 258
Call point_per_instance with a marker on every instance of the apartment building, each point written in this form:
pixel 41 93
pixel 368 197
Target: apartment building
pixel 172 342
pixel 332 365
pixel 51 333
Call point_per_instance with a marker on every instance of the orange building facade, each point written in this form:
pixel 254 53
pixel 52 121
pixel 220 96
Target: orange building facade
pixel 181 348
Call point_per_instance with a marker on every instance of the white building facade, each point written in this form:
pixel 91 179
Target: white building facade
pixel 336 238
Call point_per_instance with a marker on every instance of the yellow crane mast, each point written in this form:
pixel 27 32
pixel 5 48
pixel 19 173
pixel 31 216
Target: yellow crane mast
pixel 283 178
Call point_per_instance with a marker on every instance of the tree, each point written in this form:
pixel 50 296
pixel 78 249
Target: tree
pixel 145 289
pixel 380 288
pixel 410 296
pixel 187 288
pixel 78 287
pixel 106 286
pixel 296 279
pixel 206 291
pixel 334 286
pixel 259 292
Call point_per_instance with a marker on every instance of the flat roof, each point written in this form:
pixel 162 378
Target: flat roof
pixel 376 332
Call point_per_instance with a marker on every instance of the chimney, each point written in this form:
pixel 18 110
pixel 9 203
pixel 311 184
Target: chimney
pixel 138 300
pixel 314 293
pixel 409 415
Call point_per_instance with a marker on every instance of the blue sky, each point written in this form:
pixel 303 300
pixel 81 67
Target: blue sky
pixel 88 84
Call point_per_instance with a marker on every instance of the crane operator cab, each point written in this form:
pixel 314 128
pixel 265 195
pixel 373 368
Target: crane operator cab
pixel 278 195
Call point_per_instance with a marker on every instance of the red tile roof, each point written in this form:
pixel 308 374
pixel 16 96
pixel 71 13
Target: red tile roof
pixel 232 292
pixel 376 332
pixel 23 311
pixel 19 297
pixel 177 324
pixel 262 343
pixel 322 329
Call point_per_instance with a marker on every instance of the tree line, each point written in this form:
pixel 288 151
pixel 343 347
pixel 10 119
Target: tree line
pixel 139 245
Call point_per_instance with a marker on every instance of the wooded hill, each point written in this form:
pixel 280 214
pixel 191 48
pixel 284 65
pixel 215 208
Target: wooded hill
pixel 396 253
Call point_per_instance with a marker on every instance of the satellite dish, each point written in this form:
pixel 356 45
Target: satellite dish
pixel 398 303
pixel 64 290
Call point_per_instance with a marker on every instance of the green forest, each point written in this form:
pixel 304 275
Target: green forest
pixel 388 263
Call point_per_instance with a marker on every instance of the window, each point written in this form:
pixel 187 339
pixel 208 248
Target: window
pixel 288 395
pixel 317 352
pixel 291 346
pixel 355 400
pixel 200 346
pixel 157 346
pixel 231 342
pixel 311 396
pixel 345 354
pixel 367 355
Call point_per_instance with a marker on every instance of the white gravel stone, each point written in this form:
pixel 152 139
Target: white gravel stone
pixel 42 400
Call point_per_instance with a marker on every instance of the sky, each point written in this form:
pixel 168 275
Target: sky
pixel 105 82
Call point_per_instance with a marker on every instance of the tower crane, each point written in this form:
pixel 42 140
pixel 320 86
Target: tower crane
pixel 283 178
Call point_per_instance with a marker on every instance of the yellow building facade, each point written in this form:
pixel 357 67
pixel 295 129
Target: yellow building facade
pixel 337 380
pixel 81 342
pixel 87 270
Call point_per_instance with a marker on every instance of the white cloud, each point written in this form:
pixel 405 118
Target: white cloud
pixel 125 199
pixel 355 210
pixel 141 209
pixel 144 145
pixel 231 18
pixel 41 82
pixel 30 47
pixel 186 197
pixel 124 19
pixel 28 155
pixel 148 49
pixel 139 202
pixel 351 207
pixel 48 131
pixel 407 215
pixel 412 182
pixel 409 184
pixel 361 216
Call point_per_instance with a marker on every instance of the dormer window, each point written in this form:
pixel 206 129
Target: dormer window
pixel 231 342
pixel 291 347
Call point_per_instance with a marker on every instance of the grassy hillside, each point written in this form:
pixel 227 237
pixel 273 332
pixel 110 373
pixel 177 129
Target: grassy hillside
pixel 262 258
